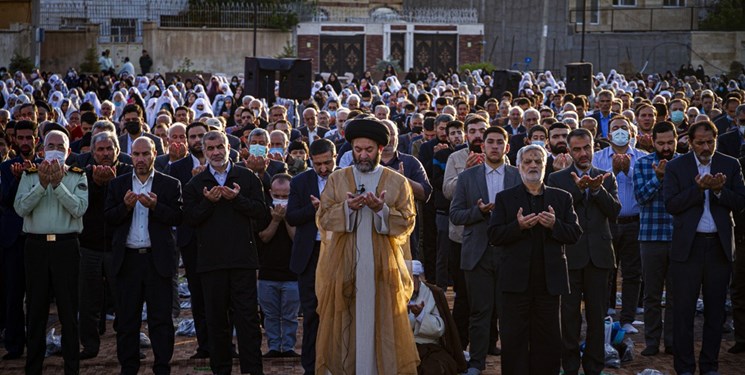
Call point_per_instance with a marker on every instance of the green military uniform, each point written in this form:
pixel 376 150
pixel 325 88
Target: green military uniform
pixel 52 219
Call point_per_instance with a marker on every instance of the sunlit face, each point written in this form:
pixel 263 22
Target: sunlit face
pixel 177 135
pixel 703 143
pixel 645 119
pixel 557 140
pixel 143 157
pixel 532 166
pixel 366 154
pixel 455 136
pixel 323 164
pixel 105 152
pixel 216 152
pixel 665 144
pixel 495 146
pixel 581 149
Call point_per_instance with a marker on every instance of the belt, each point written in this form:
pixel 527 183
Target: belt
pixel 707 235
pixel 52 237
pixel 627 219
pixel 143 250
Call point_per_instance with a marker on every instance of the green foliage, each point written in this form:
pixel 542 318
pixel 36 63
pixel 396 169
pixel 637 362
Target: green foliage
pixel 726 15
pixel 287 51
pixel 484 66
pixel 90 61
pixel 382 65
pixel 18 62
pixel 186 66
pixel 282 21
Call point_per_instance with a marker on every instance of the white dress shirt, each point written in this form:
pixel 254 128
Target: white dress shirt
pixel 494 181
pixel 139 236
pixel 706 223
pixel 220 177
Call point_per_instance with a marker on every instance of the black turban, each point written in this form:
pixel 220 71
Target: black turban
pixel 367 128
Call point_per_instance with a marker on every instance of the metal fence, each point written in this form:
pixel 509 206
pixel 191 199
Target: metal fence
pixel 639 19
pixel 386 15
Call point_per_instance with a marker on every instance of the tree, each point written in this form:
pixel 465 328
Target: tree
pixel 726 15
pixel 20 63
pixel 90 61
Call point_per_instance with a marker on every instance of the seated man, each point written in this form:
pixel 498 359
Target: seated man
pixel 435 333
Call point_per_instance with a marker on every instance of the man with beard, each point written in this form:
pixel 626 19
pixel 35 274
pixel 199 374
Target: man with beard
pixel 132 119
pixel 365 217
pixel 702 189
pixel 177 148
pixel 183 170
pixel 590 260
pixel 457 162
pixel 95 240
pixel 557 145
pixel 221 203
pixel 13 240
pixel 472 203
pixel 305 190
pixel 655 238
pixel 534 270
pixel 142 207
pixel 52 200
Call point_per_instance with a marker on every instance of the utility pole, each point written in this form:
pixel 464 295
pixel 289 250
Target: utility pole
pixel 584 27
pixel 544 37
pixel 256 21
pixel 35 25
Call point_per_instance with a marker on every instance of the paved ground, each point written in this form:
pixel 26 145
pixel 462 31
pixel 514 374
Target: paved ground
pixel 185 346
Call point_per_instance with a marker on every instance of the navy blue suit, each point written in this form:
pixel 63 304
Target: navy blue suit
pixel 730 143
pixel 701 261
pixel 302 215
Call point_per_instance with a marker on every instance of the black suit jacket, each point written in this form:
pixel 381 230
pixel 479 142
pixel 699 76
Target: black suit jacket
pixel 729 143
pixel 225 229
pixel 124 143
pixel 685 201
pixel 723 124
pixel 11 225
pixel 320 131
pixel 595 215
pixel 302 215
pixel 511 129
pixel 427 154
pixel 516 244
pixel 181 170
pixel 167 213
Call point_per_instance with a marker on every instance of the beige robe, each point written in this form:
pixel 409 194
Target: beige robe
pixel 336 276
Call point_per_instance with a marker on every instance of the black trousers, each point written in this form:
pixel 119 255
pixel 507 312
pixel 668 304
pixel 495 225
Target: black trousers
pixel 485 305
pixel 233 289
pixel 706 270
pixel 308 303
pixel 94 266
pixel 461 309
pixel 138 281
pixel 52 263
pixel 587 285
pixel 14 280
pixel 628 257
pixel 189 256
pixel 531 334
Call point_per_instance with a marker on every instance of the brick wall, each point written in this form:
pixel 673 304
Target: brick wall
pixel 373 51
pixel 472 54
pixel 305 52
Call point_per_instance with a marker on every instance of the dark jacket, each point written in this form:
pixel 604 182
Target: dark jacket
pixel 97 235
pixel 225 229
pixel 302 215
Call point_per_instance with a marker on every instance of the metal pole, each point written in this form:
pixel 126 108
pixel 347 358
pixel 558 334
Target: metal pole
pixel 512 52
pixel 35 24
pixel 544 36
pixel 584 26
pixel 256 21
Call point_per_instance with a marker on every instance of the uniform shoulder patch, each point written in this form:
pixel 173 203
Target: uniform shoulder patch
pixel 77 170
pixel 32 169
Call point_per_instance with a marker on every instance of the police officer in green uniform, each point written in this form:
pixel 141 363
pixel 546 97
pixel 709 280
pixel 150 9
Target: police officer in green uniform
pixel 52 199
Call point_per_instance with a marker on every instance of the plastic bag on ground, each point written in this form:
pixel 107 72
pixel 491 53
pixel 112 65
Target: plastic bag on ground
pixel 183 290
pixel 54 344
pixel 612 358
pixel 185 305
pixel 186 328
pixel 649 371
pixel 628 354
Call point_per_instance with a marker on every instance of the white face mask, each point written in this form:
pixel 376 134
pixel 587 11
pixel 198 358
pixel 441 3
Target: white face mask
pixel 620 137
pixel 538 143
pixel 279 202
pixel 55 155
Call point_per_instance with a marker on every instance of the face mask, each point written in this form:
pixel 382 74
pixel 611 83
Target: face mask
pixel 257 150
pixel 256 113
pixel 366 104
pixel 279 202
pixel 118 104
pixel 332 113
pixel 277 150
pixel 55 155
pixel 133 127
pixel 538 143
pixel 620 137
pixel 677 116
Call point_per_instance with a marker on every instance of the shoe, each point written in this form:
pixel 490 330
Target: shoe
pixel 142 355
pixel 494 351
pixel 611 312
pixel 629 329
pixel 200 354
pixel 87 355
pixel 289 354
pixel 145 341
pixel 650 351
pixel 272 354
pixel 739 347
pixel 11 356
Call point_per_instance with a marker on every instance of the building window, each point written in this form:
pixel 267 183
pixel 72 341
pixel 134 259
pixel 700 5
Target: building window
pixel 123 30
pixel 624 3
pixel 674 3
pixel 594 11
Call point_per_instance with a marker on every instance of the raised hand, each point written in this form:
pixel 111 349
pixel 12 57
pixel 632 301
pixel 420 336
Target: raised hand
pixel 229 193
pixel 130 199
pixel 149 200
pixel 659 169
pixel 484 207
pixel 355 202
pixel 213 195
pixel 375 203
pixel 717 182
pixel 315 201
pixel 527 221
pixel 102 174
pixel 548 218
pixel 198 170
pixel 474 159
pixel 597 181
pixel 582 183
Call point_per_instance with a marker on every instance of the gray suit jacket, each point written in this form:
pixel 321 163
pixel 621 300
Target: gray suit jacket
pixel 161 163
pixel 471 187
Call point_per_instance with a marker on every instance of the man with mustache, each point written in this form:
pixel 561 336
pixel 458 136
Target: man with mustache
pixel 530 225
pixel 702 189
pixel 12 241
pixel 222 201
pixel 559 148
pixel 595 199
pixel 95 240
pixel 655 237
pixel 365 217
pixel 142 207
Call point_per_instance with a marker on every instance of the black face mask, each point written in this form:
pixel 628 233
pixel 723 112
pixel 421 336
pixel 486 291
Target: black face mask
pixel 133 127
